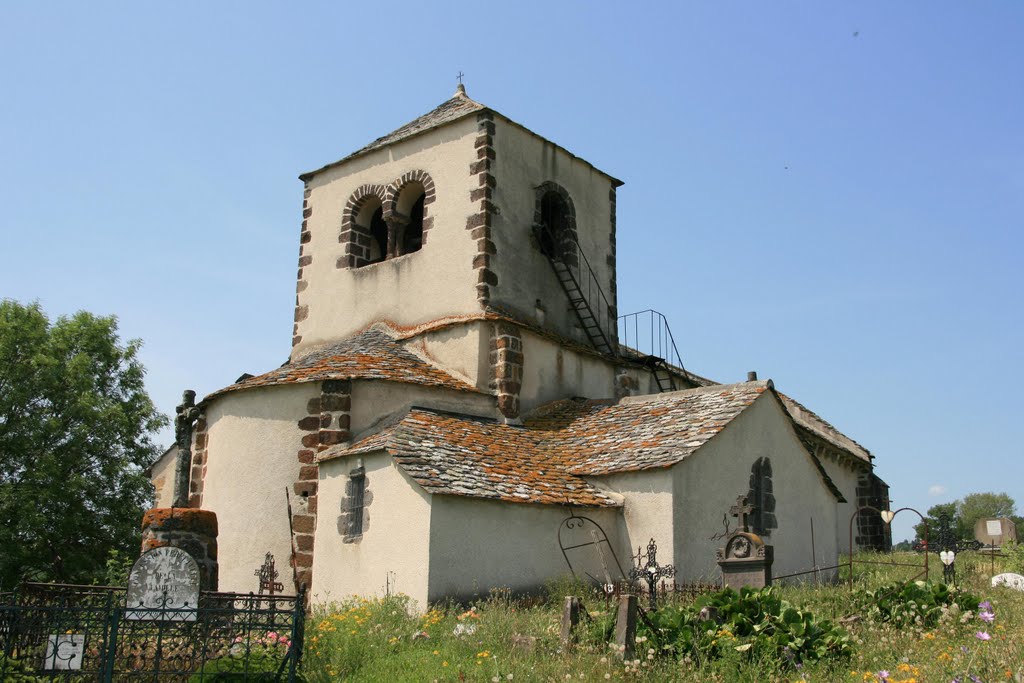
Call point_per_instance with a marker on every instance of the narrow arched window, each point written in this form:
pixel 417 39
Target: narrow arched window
pixel 412 236
pixel 378 236
pixel 554 224
pixel 761 498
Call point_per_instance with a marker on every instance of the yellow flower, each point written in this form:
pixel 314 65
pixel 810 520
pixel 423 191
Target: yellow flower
pixel 929 636
pixel 444 663
pixel 903 667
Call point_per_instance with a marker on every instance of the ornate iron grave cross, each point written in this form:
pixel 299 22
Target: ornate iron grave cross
pixel 268 577
pixel 740 511
pixel 650 571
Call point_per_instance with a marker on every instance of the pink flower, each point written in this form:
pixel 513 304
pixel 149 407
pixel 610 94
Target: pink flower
pixel 272 635
pixel 238 639
pixel 987 617
pixel 981 635
pixel 883 675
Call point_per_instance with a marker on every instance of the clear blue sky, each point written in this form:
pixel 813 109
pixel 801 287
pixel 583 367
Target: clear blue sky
pixel 831 194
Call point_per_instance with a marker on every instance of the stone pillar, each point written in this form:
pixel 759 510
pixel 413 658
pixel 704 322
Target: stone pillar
pixel 191 530
pixel 506 360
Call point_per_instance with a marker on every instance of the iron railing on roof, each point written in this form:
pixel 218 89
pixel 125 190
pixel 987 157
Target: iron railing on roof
pixel 645 337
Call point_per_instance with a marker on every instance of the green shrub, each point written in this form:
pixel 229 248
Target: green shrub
pixel 1014 553
pixel 917 602
pixel 16 671
pixel 756 623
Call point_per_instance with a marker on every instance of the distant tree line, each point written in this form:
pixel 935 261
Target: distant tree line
pixel 964 513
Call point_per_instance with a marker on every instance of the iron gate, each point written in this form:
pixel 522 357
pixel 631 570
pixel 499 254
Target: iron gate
pixel 85 633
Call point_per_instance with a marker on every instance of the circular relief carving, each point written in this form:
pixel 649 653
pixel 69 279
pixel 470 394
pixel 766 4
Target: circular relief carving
pixel 739 547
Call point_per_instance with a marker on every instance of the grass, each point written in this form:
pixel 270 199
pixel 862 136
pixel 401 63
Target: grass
pixel 501 639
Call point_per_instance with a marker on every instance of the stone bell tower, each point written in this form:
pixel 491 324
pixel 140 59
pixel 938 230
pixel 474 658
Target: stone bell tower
pixel 456 213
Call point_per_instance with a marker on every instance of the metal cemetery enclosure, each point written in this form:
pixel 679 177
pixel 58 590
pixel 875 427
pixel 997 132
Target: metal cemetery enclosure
pixel 86 633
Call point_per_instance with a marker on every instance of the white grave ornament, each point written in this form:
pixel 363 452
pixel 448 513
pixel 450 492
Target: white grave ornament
pixel 64 652
pixel 994 527
pixel 1015 581
pixel 164 586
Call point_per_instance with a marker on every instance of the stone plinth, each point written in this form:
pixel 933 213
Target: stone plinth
pixel 746 561
pixel 194 531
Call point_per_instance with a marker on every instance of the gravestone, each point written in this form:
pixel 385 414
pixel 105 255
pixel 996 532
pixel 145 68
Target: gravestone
pixel 993 531
pixel 745 560
pixel 1015 581
pixel 164 586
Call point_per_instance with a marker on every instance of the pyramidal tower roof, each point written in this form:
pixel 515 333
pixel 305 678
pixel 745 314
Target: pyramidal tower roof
pixel 459 106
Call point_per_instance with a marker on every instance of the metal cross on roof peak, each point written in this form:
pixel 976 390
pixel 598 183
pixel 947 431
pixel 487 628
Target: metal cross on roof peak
pixel 460 77
pixel 740 510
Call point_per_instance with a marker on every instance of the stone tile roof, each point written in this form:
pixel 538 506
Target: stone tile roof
pixel 372 354
pixel 459 106
pixel 460 455
pixel 545 460
pixel 807 419
pixel 641 432
pixel 451 110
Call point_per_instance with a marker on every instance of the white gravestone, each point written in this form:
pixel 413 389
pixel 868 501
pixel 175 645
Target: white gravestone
pixel 64 652
pixel 993 527
pixel 1015 581
pixel 163 585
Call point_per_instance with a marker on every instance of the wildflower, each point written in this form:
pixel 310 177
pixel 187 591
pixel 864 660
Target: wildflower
pixel 444 663
pixel 883 675
pixel 982 635
pixel 903 668
pixel 987 617
pixel 985 606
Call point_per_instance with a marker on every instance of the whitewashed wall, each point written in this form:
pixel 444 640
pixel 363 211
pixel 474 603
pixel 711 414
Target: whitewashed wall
pixel 477 545
pixel 253 437
pixel 709 481
pixel 395 539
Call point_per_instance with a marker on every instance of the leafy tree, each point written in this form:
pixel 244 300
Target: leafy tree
pixel 980 505
pixel 76 430
pixel 934 513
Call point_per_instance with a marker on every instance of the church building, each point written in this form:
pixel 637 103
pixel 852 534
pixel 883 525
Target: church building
pixel 461 384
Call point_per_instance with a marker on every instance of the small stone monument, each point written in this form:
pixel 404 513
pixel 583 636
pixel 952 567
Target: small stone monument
pixel 992 531
pixel 179 526
pixel 745 560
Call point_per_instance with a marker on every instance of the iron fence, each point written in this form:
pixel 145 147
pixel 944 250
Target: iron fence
pixel 87 633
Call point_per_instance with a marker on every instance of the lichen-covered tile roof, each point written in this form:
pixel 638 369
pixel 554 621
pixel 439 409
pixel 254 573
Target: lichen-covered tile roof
pixel 807 419
pixel 546 460
pixel 451 110
pixel 372 354
pixel 460 455
pixel 641 432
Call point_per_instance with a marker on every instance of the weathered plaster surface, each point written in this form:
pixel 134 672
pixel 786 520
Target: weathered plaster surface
pixel 552 372
pixel 161 475
pixel 374 401
pixel 477 545
pixel 395 539
pixel 253 436
pixel 460 350
pixel 523 162
pixel 708 483
pixel 436 281
pixel 648 511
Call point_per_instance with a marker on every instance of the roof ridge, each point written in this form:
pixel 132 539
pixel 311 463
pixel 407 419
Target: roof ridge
pixel 710 389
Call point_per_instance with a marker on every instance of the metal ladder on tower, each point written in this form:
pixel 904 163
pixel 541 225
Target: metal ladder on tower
pixel 594 323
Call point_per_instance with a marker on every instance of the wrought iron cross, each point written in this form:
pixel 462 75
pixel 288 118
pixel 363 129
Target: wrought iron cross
pixel 268 577
pixel 184 421
pixel 650 571
pixel 740 510
pixel 460 76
